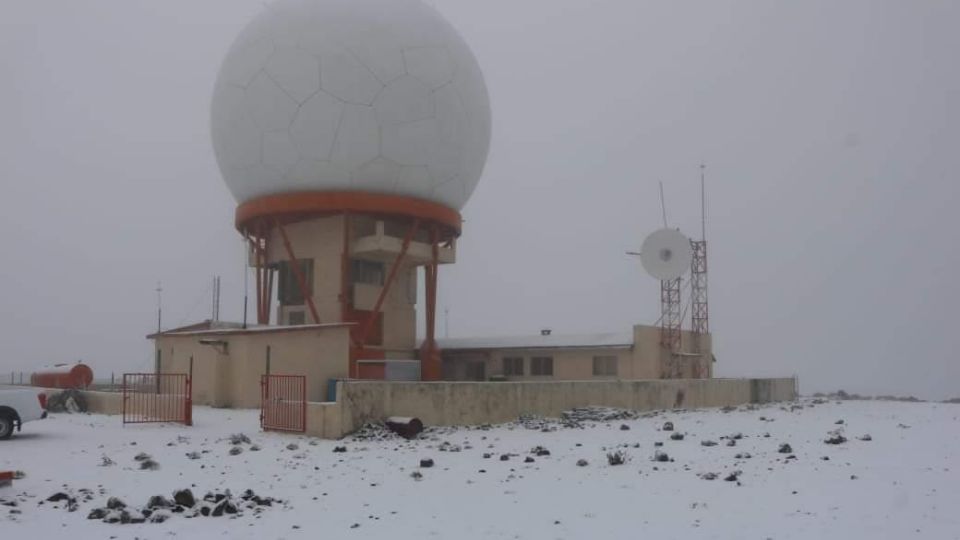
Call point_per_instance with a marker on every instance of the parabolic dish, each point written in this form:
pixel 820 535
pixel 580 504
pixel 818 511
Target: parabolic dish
pixel 666 254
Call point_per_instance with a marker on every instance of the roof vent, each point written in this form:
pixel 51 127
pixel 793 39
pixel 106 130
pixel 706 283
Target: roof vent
pixel 546 332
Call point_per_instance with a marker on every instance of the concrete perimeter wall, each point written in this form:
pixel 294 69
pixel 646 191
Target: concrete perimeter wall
pixel 97 402
pixel 472 403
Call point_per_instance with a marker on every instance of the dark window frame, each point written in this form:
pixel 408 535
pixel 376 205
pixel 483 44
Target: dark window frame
pixel 541 366
pixel 513 366
pixel 608 361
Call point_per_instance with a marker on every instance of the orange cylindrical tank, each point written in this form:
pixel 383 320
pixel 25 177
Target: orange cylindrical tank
pixel 63 376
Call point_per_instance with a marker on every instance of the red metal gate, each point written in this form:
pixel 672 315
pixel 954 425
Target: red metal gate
pixel 152 397
pixel 283 403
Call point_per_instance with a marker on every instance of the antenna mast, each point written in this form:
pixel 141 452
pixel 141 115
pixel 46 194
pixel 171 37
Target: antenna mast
pixel 700 313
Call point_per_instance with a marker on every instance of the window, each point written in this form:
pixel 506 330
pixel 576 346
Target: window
pixel 512 365
pixel 296 318
pixel 369 272
pixel 541 365
pixel 604 366
pixel 289 288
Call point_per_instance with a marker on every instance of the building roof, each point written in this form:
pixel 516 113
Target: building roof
pixel 583 341
pixel 220 328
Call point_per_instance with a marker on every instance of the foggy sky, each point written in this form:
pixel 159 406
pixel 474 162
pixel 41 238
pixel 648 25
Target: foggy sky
pixel 829 130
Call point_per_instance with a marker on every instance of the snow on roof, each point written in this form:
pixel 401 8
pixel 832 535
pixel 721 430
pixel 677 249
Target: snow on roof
pixel 229 328
pixel 609 339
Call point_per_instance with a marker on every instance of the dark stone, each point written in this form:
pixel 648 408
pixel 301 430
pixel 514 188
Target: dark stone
pixel 661 456
pixel 339 449
pixel 529 459
pixel 504 457
pixel 836 438
pixel 624 427
pixel 676 436
pixel 426 463
pixel 708 443
pixel 184 497
pixel 785 449
pixel 114 503
pixel 205 511
pixel 487 455
pixel 57 497
pixel 158 501
pixel 668 426
pixel 97 513
pixel 582 463
pixel 732 477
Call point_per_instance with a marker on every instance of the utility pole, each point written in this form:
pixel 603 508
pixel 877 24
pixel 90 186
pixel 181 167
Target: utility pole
pixel 159 290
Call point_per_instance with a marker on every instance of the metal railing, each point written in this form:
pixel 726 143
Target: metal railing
pixel 152 398
pixel 283 404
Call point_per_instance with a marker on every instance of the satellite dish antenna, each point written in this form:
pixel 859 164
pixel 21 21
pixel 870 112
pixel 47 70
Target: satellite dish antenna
pixel 666 254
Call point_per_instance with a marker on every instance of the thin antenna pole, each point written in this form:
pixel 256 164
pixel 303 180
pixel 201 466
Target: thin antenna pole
pixel 246 275
pixel 663 206
pixel 703 202
pixel 446 322
pixel 159 290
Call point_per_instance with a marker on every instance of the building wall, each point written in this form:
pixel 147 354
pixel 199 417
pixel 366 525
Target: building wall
pixel 321 240
pixel 231 377
pixel 645 359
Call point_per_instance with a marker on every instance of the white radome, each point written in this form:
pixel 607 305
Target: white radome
pixel 379 96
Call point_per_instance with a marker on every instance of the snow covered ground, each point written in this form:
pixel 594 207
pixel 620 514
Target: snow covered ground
pixel 904 483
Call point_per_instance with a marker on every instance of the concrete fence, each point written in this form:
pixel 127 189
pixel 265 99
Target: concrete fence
pixel 472 403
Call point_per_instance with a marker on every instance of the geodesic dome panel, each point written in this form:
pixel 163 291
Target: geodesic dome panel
pixel 379 96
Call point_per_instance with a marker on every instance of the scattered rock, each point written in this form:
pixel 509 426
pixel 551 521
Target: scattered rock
pixel 193 455
pixel 866 437
pixel 743 455
pixel 504 457
pixel 582 463
pixel 617 458
pixel 426 463
pixel 676 436
pixel 184 497
pixel 254 448
pixel 114 503
pixel 105 461
pixel 149 465
pixel 295 446
pixel 785 449
pixel 709 476
pixel 709 443
pixel 661 456
pixel 416 475
pixel 835 438
pixel 97 513
pixel 158 501
pixel 529 459
pixel 339 449
pixel 667 426
pixel 624 427
pixel 239 438
pixel 236 450
pixel 732 477
pixel 540 451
